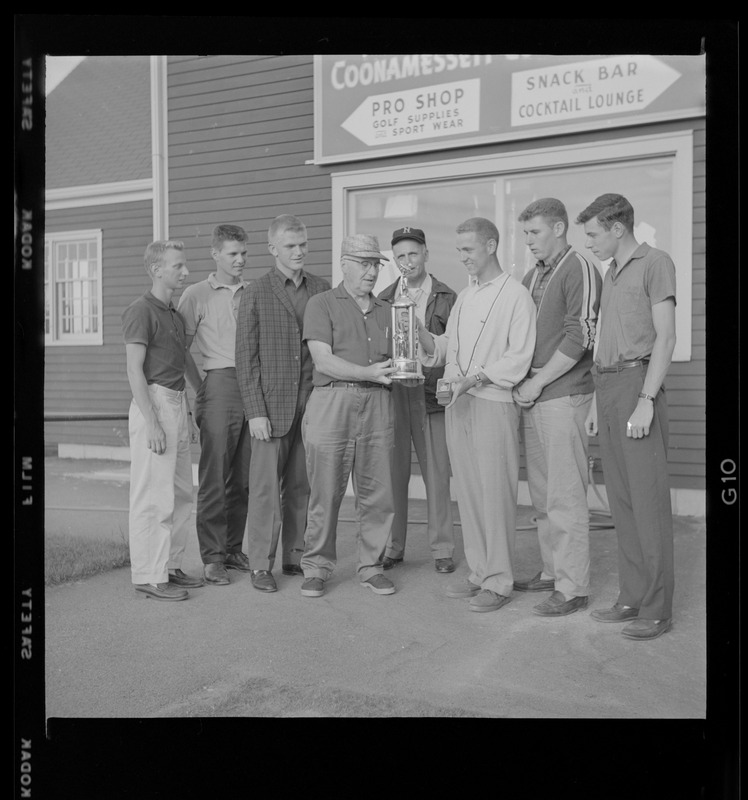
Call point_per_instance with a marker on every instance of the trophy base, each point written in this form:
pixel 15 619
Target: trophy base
pixel 407 378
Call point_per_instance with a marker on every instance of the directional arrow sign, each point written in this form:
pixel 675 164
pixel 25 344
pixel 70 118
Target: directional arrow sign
pixel 447 109
pixel 604 86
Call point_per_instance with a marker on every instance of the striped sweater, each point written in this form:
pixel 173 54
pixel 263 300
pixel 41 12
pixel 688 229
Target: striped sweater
pixel 566 321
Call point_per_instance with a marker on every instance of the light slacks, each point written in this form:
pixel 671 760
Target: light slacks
pixel 160 489
pixel 428 434
pixel 483 442
pixel 348 432
pixel 556 452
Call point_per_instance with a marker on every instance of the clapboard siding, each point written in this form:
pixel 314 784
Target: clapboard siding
pixel 93 378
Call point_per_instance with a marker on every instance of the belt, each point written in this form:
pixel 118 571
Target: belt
pixel 357 385
pixel 639 362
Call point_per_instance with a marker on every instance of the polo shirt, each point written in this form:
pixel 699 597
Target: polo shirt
pixel 209 309
pixel 160 327
pixel 362 338
pixel 626 328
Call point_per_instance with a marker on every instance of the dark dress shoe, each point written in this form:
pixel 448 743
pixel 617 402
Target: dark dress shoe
pixel 389 563
pixel 444 565
pixel 535 585
pixel 263 580
pixel 646 628
pixel 558 606
pixel 292 569
pixel 237 561
pixel 162 591
pixel 178 578
pixel 216 574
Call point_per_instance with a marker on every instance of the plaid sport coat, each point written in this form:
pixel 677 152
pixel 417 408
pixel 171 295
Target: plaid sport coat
pixel 268 350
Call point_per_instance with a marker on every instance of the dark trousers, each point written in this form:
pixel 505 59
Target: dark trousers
pixel 279 497
pixel 638 488
pixel 224 466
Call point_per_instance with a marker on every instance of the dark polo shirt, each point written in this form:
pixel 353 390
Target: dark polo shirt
pixel 161 329
pixel 629 292
pixel 334 317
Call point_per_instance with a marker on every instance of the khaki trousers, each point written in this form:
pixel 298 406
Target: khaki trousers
pixel 160 489
pixel 483 442
pixel 556 451
pixel 348 432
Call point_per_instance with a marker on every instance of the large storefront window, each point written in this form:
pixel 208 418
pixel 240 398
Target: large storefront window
pixel 651 172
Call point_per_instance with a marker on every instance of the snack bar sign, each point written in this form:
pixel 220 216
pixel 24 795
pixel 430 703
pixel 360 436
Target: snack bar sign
pixel 369 106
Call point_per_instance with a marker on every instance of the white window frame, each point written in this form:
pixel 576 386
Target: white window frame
pixel 75 339
pixel 676 145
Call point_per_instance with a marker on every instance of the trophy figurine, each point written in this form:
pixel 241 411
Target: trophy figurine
pixel 405 339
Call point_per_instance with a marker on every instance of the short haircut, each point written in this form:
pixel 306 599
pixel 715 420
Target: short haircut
pixel 483 228
pixel 154 253
pixel 549 208
pixel 608 209
pixel 283 223
pixel 227 233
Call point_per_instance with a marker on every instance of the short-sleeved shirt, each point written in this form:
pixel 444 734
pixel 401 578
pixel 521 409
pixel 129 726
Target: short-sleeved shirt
pixel 209 309
pixel 362 338
pixel 626 328
pixel 161 329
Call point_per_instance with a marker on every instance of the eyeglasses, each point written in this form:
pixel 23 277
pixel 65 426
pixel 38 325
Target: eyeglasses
pixel 365 265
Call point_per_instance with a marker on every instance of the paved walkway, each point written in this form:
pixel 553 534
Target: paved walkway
pixel 233 651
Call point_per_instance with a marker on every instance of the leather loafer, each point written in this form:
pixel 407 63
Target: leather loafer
pixel 292 569
pixel 646 628
pixel 488 600
pixel 389 563
pixel 178 578
pixel 162 591
pixel 237 561
pixel 313 587
pixel 216 574
pixel 263 580
pixel 617 613
pixel 558 606
pixel 444 565
pixel 535 584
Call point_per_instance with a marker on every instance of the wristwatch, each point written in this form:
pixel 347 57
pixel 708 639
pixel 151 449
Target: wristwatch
pixel 479 380
pixel 646 396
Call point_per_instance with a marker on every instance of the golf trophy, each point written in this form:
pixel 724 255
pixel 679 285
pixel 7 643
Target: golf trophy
pixel 405 339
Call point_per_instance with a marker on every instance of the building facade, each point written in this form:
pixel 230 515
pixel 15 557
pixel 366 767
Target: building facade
pixel 361 144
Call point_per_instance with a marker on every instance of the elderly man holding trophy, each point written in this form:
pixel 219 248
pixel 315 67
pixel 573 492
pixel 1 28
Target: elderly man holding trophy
pixel 348 427
pixel 419 418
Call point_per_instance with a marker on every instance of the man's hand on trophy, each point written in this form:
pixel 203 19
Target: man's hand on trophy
pixel 380 372
pixel 425 339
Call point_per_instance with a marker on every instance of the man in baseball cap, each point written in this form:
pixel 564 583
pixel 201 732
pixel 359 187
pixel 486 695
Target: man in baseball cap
pixel 347 331
pixel 418 416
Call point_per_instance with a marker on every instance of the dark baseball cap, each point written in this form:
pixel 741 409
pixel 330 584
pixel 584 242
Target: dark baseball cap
pixel 416 234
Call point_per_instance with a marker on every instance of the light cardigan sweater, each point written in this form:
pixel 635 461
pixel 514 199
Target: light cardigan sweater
pixel 503 348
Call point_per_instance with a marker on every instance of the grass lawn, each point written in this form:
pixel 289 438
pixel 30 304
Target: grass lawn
pixel 69 558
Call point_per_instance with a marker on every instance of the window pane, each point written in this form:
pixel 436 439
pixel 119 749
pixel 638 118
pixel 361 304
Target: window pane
pixel 647 185
pixel 437 208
